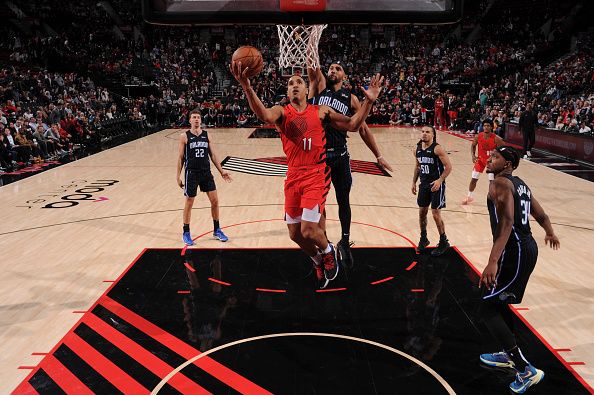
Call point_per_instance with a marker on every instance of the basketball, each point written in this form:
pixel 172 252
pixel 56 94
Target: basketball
pixel 249 57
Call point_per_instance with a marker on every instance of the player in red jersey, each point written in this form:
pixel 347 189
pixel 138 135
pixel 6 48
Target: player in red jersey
pixel 308 178
pixel 486 141
pixel 439 113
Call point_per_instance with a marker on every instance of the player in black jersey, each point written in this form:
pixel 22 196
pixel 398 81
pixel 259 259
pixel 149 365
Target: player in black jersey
pixel 195 152
pixel 512 259
pixel 329 91
pixel 432 166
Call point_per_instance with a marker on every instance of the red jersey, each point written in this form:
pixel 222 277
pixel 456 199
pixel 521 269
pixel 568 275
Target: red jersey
pixel 485 145
pixel 303 137
pixel 439 103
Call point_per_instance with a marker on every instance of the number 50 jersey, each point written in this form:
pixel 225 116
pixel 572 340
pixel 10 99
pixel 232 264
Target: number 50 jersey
pixel 430 166
pixel 197 152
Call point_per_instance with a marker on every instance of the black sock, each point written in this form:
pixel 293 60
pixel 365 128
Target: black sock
pixel 423 234
pixel 516 356
pixel 215 223
pixel 345 238
pixel 443 237
pixel 186 228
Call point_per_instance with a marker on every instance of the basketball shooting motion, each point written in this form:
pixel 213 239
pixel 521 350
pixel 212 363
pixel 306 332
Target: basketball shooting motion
pixel 308 180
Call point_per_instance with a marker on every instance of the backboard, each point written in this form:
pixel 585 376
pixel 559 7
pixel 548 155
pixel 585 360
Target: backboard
pixel 271 12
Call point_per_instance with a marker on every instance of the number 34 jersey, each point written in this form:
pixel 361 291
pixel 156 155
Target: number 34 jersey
pixel 303 137
pixel 521 232
pixel 197 152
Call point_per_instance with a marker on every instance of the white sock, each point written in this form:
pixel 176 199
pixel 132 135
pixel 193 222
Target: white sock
pixel 327 249
pixel 470 194
pixel 317 259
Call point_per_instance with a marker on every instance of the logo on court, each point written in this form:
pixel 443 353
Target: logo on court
pixel 82 190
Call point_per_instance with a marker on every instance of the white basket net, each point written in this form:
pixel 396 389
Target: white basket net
pixel 299 45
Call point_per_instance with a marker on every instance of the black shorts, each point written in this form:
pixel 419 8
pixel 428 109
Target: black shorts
pixel 437 199
pixel 340 170
pixel 195 178
pixel 514 268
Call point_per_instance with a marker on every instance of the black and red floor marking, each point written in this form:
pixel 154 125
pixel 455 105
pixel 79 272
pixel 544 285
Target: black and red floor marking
pixel 142 328
pixel 357 166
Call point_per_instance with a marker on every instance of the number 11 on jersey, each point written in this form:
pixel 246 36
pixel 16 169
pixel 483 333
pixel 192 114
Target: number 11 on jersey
pixel 307 144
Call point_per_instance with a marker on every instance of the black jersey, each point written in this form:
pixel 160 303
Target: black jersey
pixel 521 232
pixel 197 152
pixel 430 166
pixel 339 101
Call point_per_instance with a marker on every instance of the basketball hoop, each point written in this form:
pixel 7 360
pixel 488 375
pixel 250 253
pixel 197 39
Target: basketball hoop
pixel 299 46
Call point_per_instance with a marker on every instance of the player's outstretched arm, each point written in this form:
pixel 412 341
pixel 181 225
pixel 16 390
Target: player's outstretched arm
pixel 368 137
pixel 543 220
pixel 341 122
pixel 317 81
pixel 269 115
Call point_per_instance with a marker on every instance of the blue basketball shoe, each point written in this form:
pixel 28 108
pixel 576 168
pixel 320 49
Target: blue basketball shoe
pixel 529 377
pixel 188 239
pixel 218 234
pixel 498 359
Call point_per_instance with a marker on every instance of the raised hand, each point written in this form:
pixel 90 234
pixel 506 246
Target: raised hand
pixel 239 73
pixel 375 87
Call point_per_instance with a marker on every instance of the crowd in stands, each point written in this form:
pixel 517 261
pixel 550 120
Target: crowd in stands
pixel 57 87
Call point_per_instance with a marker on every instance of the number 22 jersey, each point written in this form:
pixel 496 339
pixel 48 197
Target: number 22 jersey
pixel 197 152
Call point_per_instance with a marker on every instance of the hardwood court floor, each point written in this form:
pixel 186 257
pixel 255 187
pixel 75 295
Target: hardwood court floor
pixel 57 260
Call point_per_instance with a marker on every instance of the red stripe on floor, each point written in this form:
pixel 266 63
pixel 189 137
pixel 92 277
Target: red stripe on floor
pixel 330 290
pixel 25 367
pixel 222 373
pixel 189 267
pixel 521 308
pixel 214 280
pixel 562 349
pixel 576 363
pixel 25 389
pixel 417 290
pixel 80 311
pixel 116 376
pixel 271 290
pixel 183 292
pixel 63 377
pixel 138 353
pixel 383 280
pixel 411 265
pixel 109 281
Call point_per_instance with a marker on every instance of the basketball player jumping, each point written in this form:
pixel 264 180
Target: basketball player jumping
pixel 308 179
pixel 512 259
pixel 486 141
pixel 329 91
pixel 195 148
pixel 432 166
